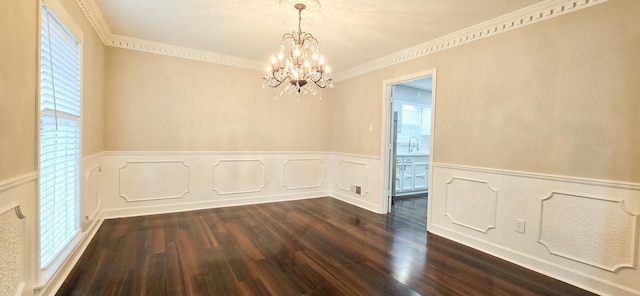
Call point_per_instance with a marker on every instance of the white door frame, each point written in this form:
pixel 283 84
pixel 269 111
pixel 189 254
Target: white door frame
pixel 387 140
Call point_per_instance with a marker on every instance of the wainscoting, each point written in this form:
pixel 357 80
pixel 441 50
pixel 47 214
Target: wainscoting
pixel 17 212
pixel 580 231
pixel 142 183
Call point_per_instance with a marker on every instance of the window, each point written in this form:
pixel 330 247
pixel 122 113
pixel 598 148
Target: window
pixel 59 139
pixel 410 122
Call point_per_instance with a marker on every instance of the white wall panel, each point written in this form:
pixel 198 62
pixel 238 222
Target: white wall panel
pixel 303 173
pixel 593 231
pixel 348 171
pixel 471 203
pixel 18 234
pixel 239 176
pixel 581 231
pixel 90 185
pixel 11 250
pixel 152 180
pixel 215 179
pixel 353 173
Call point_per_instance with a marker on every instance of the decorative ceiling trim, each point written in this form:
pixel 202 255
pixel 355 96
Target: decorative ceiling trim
pixel 517 19
pixel 182 52
pixel 529 15
pixel 94 16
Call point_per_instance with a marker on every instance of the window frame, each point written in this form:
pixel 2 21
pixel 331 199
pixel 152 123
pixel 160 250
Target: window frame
pixel 61 16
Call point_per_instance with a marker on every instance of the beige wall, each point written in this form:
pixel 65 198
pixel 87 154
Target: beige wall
pixel 557 97
pixel 18 58
pixel 161 103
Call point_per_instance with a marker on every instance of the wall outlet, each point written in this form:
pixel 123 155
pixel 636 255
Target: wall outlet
pixel 520 226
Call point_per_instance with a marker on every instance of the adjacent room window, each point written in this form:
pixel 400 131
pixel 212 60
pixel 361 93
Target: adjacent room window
pixel 59 153
pixel 410 122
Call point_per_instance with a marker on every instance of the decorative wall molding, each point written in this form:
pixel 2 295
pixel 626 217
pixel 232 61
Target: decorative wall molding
pixel 353 173
pixel 153 180
pixel 358 156
pixel 95 18
pixel 12 258
pixel 214 153
pixel 471 203
pixel 182 52
pixel 9 184
pixel 301 173
pixel 90 207
pixel 563 179
pixel 527 16
pixel 593 231
pixel 95 158
pixel 233 176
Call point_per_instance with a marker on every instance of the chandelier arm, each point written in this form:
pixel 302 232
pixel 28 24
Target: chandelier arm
pixel 296 72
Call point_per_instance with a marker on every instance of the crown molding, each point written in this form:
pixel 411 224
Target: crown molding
pixel 529 15
pixel 181 52
pixel 94 16
pixel 520 18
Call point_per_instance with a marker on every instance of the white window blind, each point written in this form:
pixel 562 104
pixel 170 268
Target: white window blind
pixel 59 137
pixel 410 123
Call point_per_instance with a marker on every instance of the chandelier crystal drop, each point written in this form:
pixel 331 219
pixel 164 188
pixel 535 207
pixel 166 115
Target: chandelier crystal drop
pixel 301 69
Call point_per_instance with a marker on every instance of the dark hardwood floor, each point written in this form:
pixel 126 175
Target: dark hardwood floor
pixel 311 247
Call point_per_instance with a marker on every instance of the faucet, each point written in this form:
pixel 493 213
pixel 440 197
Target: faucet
pixel 417 144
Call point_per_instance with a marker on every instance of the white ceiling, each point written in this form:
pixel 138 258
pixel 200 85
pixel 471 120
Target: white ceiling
pixel 350 32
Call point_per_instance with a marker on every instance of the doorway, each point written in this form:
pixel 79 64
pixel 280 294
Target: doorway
pixel 409 118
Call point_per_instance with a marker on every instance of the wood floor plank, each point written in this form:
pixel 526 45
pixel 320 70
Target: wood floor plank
pixel 318 246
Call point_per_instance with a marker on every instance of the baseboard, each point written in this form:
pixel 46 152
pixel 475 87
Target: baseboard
pixel 192 206
pixel 356 202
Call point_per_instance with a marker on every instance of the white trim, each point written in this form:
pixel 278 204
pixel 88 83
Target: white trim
pixel 352 155
pixel 529 15
pixel 520 18
pixel 94 157
pixel 213 152
pixel 247 153
pixel 386 137
pixel 94 16
pixel 9 184
pixel 183 52
pixel 356 202
pixel 558 178
pixel 200 205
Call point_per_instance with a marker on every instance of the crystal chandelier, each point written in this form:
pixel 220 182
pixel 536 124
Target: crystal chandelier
pixel 303 70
